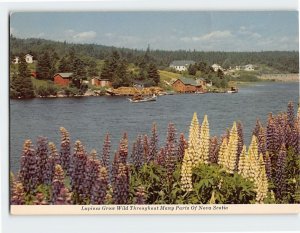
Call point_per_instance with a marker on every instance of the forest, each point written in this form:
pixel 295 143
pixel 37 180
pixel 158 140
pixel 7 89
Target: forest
pixel 279 61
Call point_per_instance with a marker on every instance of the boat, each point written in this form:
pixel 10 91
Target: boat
pixel 233 90
pixel 199 92
pixel 140 98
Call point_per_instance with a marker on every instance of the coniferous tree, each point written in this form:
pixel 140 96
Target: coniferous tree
pixel 44 67
pixel 153 74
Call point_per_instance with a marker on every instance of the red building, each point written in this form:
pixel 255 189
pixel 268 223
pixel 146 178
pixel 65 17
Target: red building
pixel 62 79
pixel 187 85
pixel 96 81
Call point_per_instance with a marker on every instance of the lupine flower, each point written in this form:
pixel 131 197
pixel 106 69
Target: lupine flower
pixel 257 127
pixel 161 157
pixel 18 194
pixel 78 172
pixel 100 187
pixel 153 147
pixel 261 140
pixel 29 168
pixel 240 132
pixel 106 152
pixel 182 144
pixel 52 160
pixel 186 173
pixel 242 162
pixel 140 196
pixel 280 175
pixel 121 188
pixel 115 168
pixel 64 197
pixel 146 148
pixel 170 152
pixel 222 153
pixel 268 165
pixel 194 146
pixel 290 114
pixel 65 151
pixel 58 183
pixel 204 141
pixel 214 150
pixel 261 182
pixel 92 169
pixel 40 199
pixel 137 155
pixel 232 150
pixel 42 156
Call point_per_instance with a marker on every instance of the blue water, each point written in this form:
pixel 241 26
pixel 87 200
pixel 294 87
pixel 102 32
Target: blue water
pixel 89 118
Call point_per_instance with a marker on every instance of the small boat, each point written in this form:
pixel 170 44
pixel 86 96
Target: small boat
pixel 233 90
pixel 140 99
pixel 199 92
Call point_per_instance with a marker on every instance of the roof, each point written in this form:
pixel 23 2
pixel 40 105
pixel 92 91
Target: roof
pixel 188 81
pixel 182 63
pixel 28 55
pixel 65 75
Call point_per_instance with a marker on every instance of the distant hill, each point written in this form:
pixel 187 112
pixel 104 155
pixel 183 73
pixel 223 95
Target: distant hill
pixel 277 61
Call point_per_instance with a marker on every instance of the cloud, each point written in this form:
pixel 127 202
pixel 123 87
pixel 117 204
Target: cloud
pixel 214 35
pixel 80 36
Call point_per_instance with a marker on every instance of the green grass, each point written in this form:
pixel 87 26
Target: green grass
pixel 168 76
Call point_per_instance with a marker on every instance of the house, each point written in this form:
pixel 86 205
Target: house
pixel 16 60
pixel 98 82
pixel 29 58
pixel 217 67
pixel 188 85
pixel 62 79
pixel 201 82
pixel 138 84
pixel 181 65
pixel 249 67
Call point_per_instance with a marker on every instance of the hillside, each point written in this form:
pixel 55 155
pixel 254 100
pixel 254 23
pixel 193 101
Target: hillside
pixel 272 61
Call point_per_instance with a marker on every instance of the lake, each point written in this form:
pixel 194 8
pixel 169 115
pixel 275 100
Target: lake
pixel 89 118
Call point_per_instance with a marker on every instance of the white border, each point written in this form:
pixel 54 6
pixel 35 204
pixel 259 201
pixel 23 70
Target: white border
pixel 79 224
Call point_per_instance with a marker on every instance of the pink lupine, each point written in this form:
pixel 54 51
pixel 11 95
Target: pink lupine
pixel 258 125
pixel 40 199
pixel 100 187
pixel 280 174
pixel 42 157
pixel 261 141
pixel 137 155
pixel 52 160
pixel 182 144
pixel 65 151
pixel 153 147
pixel 268 165
pixel 271 135
pixel 106 152
pixel 29 168
pixel 121 187
pixel 140 196
pixel 92 170
pixel 146 148
pixel 123 149
pixel 78 172
pixel 214 150
pixel 290 114
pixel 58 183
pixel 18 194
pixel 64 197
pixel 161 157
pixel 115 168
pixel 170 151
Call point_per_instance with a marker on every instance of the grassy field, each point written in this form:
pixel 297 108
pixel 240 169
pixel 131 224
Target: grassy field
pixel 168 76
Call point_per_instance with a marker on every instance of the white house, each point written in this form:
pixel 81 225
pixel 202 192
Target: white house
pixel 181 65
pixel 29 58
pixel 217 67
pixel 249 67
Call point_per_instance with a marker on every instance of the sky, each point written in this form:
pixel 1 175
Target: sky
pixel 202 31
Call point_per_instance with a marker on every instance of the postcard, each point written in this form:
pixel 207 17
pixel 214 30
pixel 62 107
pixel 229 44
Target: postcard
pixel 163 112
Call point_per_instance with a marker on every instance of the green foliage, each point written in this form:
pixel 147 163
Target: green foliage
pixel 246 77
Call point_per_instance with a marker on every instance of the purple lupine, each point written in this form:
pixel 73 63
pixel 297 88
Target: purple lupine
pixel 52 160
pixel 256 128
pixel 280 176
pixel 146 147
pixel 153 147
pixel 241 143
pixel 58 183
pixel 261 141
pixel 268 165
pixel 78 172
pixel 182 144
pixel 121 187
pixel 100 187
pixel 290 114
pixel 140 196
pixel 18 194
pixel 171 134
pixel 40 199
pixel 123 149
pixel 170 151
pixel 29 168
pixel 65 151
pixel 64 197
pixel 115 168
pixel 161 157
pixel 92 170
pixel 106 152
pixel 42 157
pixel 214 148
pixel 137 153
pixel 271 134
pixel 296 138
pixel 281 128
